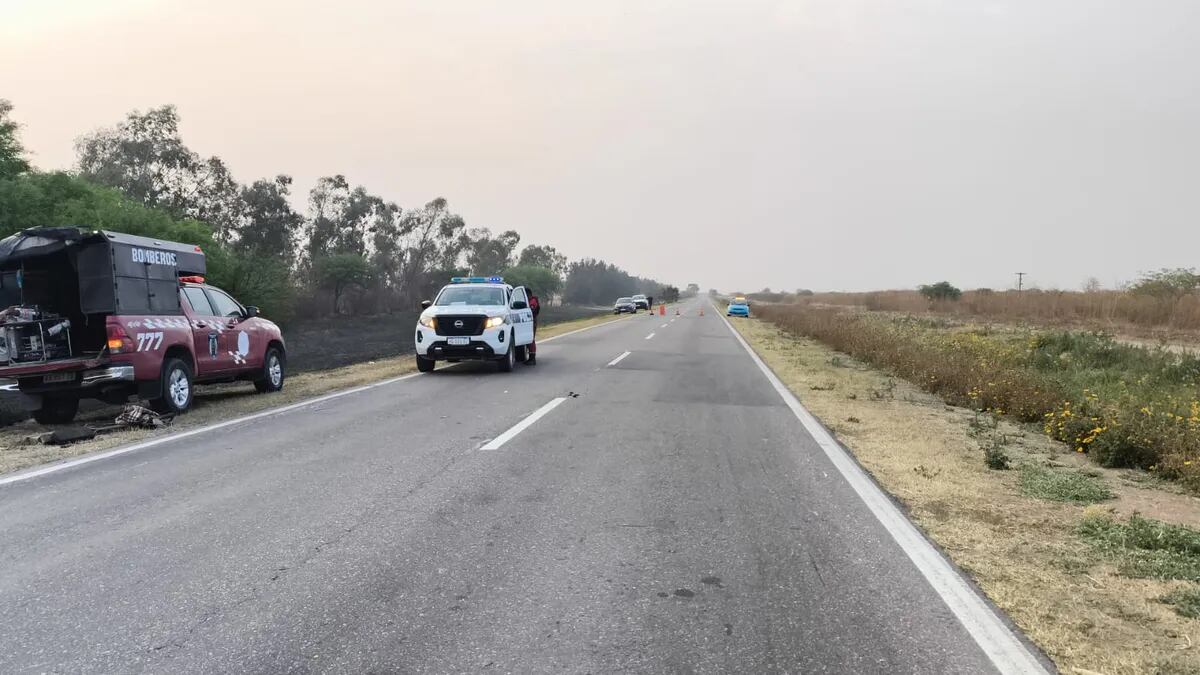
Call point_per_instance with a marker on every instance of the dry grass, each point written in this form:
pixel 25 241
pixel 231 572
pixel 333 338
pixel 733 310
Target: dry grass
pixel 1024 552
pixel 215 403
pixel 1121 405
pixel 1176 318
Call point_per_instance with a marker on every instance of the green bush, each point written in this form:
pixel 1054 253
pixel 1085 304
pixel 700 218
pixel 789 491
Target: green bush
pixel 1063 485
pixel 1146 548
pixel 942 290
pixel 1186 601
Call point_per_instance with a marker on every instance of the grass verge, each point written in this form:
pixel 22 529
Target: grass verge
pixel 214 403
pixel 1027 553
pixel 1121 405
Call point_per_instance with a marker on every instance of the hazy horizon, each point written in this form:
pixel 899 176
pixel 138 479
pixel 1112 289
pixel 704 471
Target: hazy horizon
pixel 850 145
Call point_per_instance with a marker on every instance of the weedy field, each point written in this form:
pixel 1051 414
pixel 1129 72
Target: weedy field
pixel 1170 316
pixel 1097 565
pixel 1121 405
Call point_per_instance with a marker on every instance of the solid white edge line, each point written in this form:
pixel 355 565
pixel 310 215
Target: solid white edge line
pixel 650 336
pixel 27 474
pixel 497 442
pixel 1005 649
pixel 105 454
pixel 618 359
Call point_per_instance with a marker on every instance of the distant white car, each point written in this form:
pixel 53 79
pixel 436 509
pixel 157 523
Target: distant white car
pixel 641 301
pixel 475 318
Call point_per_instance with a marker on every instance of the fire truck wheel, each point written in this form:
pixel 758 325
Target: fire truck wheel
pixel 177 388
pixel 271 378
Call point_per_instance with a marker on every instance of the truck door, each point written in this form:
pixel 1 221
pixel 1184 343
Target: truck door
pixel 206 333
pixel 240 341
pixel 522 318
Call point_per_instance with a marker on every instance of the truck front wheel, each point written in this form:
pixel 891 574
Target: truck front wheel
pixel 176 391
pixel 425 365
pixel 271 377
pixel 509 359
pixel 56 410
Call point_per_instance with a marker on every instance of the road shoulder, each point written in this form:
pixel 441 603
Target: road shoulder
pixel 1024 552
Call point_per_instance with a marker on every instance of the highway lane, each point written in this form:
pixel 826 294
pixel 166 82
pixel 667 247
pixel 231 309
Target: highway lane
pixel 669 514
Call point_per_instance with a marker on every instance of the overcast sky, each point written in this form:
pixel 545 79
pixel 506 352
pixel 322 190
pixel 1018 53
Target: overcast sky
pixel 827 144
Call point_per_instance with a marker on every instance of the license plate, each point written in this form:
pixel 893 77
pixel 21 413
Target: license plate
pixel 458 342
pixel 58 377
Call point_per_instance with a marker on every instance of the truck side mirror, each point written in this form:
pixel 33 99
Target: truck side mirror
pixel 251 311
pixel 425 304
pixel 519 304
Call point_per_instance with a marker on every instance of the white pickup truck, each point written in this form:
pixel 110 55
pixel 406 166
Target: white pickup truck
pixel 475 318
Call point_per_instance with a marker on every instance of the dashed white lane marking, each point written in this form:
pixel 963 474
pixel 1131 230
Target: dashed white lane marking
pixel 650 336
pixel 1001 645
pixel 618 359
pixel 663 326
pixel 27 474
pixel 497 442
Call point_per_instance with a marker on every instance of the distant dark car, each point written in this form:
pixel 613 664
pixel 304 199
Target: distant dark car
pixel 625 305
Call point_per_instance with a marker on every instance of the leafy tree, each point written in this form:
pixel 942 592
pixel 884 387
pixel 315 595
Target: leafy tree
pixel 543 256
pixel 255 280
pixel 430 241
pixel 942 290
pixel 1167 283
pixel 339 272
pixel 544 281
pixel 595 282
pixel 340 217
pixel 487 254
pixel 668 294
pixel 145 158
pixel 12 153
pixel 269 223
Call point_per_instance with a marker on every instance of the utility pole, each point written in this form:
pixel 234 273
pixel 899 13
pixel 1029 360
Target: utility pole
pixel 1020 281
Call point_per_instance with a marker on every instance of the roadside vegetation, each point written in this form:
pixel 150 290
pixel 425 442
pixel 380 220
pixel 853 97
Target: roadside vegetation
pixel 1097 565
pixel 350 252
pixel 1162 304
pixel 1121 405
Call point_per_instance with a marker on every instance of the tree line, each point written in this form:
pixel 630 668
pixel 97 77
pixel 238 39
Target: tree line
pixel 349 251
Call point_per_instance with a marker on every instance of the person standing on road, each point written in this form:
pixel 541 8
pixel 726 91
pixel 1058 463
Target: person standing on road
pixel 536 306
pixel 650 304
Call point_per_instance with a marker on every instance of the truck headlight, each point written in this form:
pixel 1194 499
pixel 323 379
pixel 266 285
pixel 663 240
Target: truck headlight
pixel 429 322
pixel 492 322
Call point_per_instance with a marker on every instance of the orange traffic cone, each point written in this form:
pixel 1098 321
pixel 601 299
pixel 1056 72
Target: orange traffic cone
pixel 701 311
pixel 676 311
pixel 662 310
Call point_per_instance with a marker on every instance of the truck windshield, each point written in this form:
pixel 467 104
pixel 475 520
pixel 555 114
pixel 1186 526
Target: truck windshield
pixel 471 295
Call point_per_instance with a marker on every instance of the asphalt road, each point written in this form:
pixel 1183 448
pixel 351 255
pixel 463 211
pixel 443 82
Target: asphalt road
pixel 669 514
